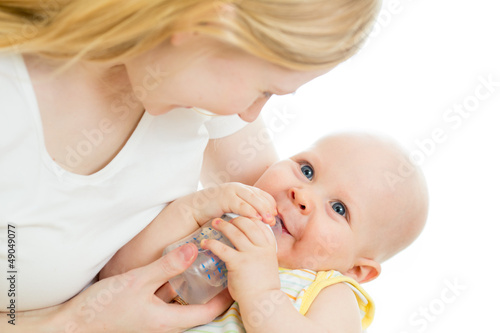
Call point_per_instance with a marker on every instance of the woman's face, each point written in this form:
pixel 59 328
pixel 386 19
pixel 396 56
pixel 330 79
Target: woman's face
pixel 193 70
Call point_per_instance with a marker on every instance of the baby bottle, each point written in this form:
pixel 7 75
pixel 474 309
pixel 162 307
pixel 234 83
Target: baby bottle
pixel 207 276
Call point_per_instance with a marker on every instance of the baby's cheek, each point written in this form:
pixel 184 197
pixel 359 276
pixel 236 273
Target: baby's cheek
pixel 266 183
pixel 328 252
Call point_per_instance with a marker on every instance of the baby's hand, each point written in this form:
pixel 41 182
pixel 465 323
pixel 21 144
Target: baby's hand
pixel 235 198
pixel 253 265
pixel 247 201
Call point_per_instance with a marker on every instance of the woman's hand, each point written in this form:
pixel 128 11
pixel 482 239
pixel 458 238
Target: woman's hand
pixel 253 265
pixel 127 303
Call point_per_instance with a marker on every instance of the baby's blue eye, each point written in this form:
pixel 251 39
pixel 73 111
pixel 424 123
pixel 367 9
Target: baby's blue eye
pixel 307 170
pixel 339 208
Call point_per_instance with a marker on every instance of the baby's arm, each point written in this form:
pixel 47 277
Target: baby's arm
pixel 254 283
pixel 335 309
pixel 186 214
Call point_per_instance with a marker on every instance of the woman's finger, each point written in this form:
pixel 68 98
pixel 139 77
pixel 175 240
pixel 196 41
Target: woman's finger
pixel 166 293
pixel 187 316
pixel 168 266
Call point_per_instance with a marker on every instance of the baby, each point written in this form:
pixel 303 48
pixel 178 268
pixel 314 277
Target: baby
pixel 345 208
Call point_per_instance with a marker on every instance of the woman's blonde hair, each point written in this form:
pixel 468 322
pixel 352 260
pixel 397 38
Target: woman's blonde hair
pixel 297 34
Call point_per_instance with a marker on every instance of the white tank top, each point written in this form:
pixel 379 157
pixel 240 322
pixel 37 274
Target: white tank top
pixel 67 226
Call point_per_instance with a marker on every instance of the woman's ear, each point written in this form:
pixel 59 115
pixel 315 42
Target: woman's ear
pixel 179 38
pixel 364 270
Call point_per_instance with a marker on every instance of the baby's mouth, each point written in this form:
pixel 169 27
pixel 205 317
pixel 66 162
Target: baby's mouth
pixel 279 219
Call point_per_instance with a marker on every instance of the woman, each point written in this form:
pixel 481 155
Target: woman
pixel 101 127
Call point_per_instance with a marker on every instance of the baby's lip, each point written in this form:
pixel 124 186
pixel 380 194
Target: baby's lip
pixel 283 224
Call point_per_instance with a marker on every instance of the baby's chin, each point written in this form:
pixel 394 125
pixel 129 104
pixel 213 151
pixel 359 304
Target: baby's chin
pixel 284 260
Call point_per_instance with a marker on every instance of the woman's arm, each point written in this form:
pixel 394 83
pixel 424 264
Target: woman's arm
pixel 240 157
pixel 147 246
pixel 123 303
pixel 185 215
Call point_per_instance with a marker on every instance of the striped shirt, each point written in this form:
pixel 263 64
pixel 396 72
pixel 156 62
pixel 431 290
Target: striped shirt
pixel 301 286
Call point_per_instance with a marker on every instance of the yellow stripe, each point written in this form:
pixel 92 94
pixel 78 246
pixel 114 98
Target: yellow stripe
pixel 308 271
pixel 225 317
pixel 304 270
pixel 229 314
pixel 322 283
pixel 300 276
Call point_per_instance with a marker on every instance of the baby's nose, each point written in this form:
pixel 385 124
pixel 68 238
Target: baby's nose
pixel 301 200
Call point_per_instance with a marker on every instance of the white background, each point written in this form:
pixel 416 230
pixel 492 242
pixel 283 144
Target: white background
pixel 424 58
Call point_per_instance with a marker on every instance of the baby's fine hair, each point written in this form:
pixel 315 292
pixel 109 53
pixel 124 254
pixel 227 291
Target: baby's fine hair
pixel 296 34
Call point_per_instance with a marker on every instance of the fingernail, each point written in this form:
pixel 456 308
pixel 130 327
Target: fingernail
pixel 217 221
pixel 187 252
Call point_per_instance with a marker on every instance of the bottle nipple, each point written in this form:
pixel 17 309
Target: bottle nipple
pixel 277 228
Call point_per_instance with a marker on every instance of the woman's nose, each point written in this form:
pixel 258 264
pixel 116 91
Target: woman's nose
pixel 301 200
pixel 253 111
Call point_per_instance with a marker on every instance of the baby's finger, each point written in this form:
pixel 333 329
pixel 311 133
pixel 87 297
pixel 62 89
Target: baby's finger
pixel 224 252
pixel 257 232
pixel 239 206
pixel 261 201
pixel 269 210
pixel 239 240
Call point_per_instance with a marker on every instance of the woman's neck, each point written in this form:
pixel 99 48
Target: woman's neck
pixel 76 99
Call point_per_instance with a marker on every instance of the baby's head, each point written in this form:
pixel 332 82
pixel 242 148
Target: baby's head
pixel 341 206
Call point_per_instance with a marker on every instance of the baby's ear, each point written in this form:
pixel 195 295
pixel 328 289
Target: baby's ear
pixel 364 270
